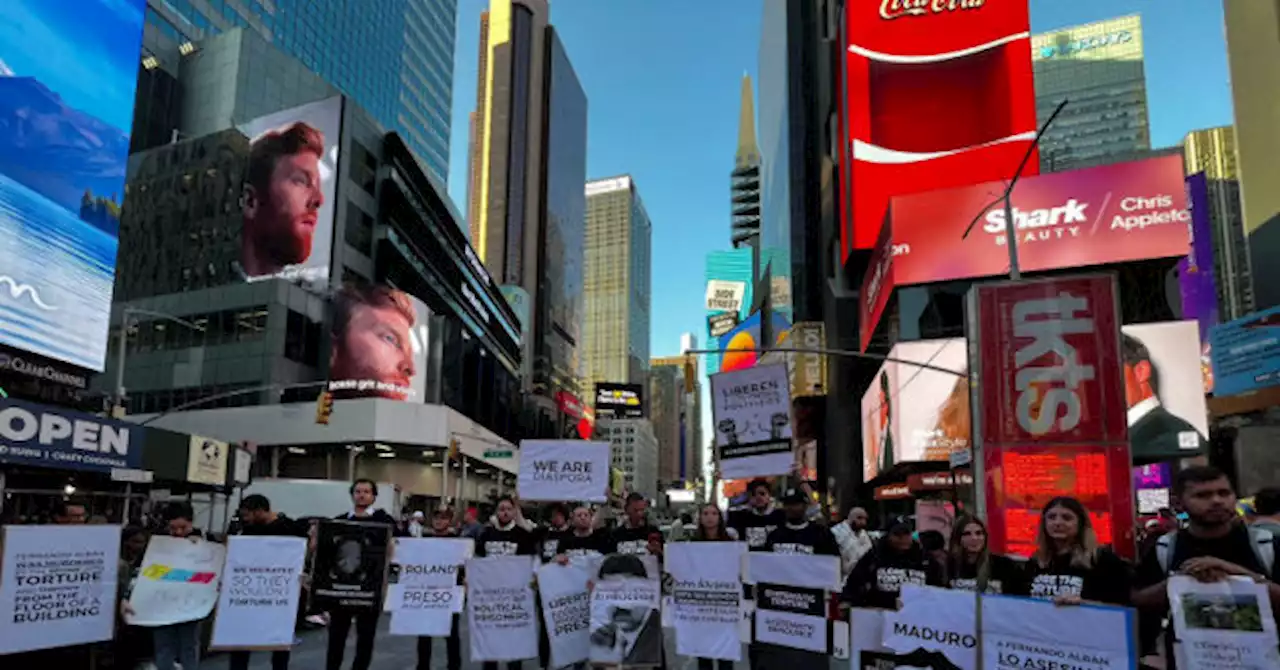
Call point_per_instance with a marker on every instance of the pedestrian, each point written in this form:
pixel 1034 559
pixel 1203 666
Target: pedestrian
pixel 587 538
pixel 853 538
pixel 636 535
pixel 442 527
pixel 258 519
pixel 364 492
pixel 179 642
pixel 1068 566
pixel 508 534
pixel 417 524
pixel 1214 546
pixel 1266 509
pixel 548 537
pixel 896 559
pixel 798 535
pixel 760 516
pixel 711 528
pixel 971 563
pixel 132 644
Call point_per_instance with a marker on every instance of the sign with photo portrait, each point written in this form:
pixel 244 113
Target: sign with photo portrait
pixel 626 621
pixel 350 565
pixel 751 408
pixel 207 461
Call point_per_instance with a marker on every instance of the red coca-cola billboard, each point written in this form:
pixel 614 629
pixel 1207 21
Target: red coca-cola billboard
pixel 936 94
pixel 1109 214
pixel 1049 410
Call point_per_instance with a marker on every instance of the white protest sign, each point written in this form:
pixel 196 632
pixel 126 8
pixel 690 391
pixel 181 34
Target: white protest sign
pixel 1022 633
pixel 564 470
pixel 261 586
pixel 566 611
pixel 935 620
pixel 707 597
pixel 626 622
pixel 791 598
pixel 178 581
pixel 752 415
pixel 59 586
pixel 500 608
pixel 1224 625
pixel 426 594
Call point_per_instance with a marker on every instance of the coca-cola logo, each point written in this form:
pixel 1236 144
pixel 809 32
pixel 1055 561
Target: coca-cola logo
pixel 1049 369
pixel 896 9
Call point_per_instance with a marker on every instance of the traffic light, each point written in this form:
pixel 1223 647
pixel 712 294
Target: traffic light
pixel 453 449
pixel 324 407
pixel 690 373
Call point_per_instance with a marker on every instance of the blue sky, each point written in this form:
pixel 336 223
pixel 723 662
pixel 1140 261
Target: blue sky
pixel 662 79
pixel 84 50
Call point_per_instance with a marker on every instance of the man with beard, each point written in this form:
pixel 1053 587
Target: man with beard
pixel 853 538
pixel 364 492
pixel 282 199
pixel 442 527
pixel 371 343
pixel 754 522
pixel 256 518
pixel 1213 547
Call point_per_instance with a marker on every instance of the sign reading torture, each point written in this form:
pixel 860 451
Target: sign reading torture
pixel 564 470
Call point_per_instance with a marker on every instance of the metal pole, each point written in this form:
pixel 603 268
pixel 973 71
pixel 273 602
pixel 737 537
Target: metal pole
pixel 1010 234
pixel 128 498
pixel 120 355
pixel 462 485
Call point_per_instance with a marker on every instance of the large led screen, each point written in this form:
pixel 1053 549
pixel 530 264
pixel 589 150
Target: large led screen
pixel 379 343
pixel 289 192
pixel 68 70
pixel 913 414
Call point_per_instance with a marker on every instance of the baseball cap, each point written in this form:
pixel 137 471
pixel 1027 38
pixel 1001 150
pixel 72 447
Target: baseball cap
pixel 418 514
pixel 897 525
pixel 794 497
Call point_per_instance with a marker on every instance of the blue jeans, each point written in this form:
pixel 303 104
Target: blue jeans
pixel 179 642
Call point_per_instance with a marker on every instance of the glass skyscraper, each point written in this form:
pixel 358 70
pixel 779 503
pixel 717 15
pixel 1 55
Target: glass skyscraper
pixel 393 57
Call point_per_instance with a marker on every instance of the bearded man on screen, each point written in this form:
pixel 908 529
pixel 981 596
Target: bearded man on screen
pixel 370 345
pixel 282 199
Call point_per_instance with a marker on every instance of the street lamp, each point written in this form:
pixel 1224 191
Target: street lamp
pixel 122 349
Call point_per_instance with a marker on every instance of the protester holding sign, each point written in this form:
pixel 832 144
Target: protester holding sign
pixel 586 538
pixel 1068 566
pixel 636 535
pixel 755 521
pixel 701 602
pixel 970 562
pixel 1212 548
pixel 258 520
pixel 442 528
pixel 556 529
pixel 798 535
pixel 897 559
pixel 178 642
pixel 364 492
pixel 626 624
pixel 506 535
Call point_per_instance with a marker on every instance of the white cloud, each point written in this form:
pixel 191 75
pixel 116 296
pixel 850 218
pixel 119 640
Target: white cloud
pixel 5 70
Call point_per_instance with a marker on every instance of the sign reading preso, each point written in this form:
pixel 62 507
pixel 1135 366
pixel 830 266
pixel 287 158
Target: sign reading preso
pixel 41 436
pixel 1049 403
pixel 751 409
pixel 725 296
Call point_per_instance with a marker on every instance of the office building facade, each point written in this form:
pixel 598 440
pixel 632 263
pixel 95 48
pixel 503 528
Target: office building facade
pixel 526 205
pixel 679 424
pixel 744 181
pixel 1253 52
pixel 618 284
pixel 1098 68
pixel 1213 152
pixel 395 59
pixel 634 452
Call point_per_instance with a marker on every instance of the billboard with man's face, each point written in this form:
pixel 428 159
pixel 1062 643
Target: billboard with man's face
pixel 378 344
pixel 290 192
pixel 68 71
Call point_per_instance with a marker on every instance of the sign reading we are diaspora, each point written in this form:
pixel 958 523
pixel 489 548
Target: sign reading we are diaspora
pixel 563 470
pixel 752 412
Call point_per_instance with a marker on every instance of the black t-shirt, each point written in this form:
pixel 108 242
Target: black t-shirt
pixel 878 577
pixel 515 541
pixel 549 541
pixel 628 540
pixel 598 543
pixel 754 527
pixel 1005 575
pixel 281 526
pixel 1107 581
pixel 807 538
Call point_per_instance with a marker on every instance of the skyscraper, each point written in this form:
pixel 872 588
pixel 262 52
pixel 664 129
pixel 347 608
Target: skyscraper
pixel 744 181
pixel 666 408
pixel 1097 67
pixel 393 58
pixel 617 285
pixel 1213 152
pixel 1253 50
pixel 528 163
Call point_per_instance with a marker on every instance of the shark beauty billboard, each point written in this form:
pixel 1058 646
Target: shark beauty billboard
pixel 68 72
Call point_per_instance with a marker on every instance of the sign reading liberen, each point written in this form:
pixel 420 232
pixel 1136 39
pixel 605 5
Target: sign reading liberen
pixel 42 436
pixel 725 296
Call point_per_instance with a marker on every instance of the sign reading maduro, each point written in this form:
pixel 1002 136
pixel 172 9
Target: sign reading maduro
pixel 752 412
pixel 564 470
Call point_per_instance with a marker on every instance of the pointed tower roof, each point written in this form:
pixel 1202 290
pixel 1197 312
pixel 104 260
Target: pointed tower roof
pixel 748 151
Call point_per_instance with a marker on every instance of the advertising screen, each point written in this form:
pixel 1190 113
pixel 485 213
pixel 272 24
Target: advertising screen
pixel 1196 274
pixel 378 344
pixel 928 410
pixel 935 95
pixel 1246 353
pixel 620 401
pixel 739 344
pixel 68 71
pixel 289 192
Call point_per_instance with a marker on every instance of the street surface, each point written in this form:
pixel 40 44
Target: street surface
pixel 400 653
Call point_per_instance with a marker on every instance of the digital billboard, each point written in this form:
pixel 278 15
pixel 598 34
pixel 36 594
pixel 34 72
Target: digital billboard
pixel 619 401
pixel 740 344
pixel 1197 283
pixel 378 343
pixel 1095 216
pixel 290 192
pixel 1246 353
pixel 68 72
pixel 935 95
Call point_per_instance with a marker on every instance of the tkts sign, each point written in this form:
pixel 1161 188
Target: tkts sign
pixel 896 9
pixel 1049 414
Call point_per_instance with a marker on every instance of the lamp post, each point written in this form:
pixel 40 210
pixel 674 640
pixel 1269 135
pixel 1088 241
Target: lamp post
pixel 122 345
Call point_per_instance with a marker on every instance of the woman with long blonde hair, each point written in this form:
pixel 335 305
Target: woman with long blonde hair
pixel 1068 566
pixel 970 561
